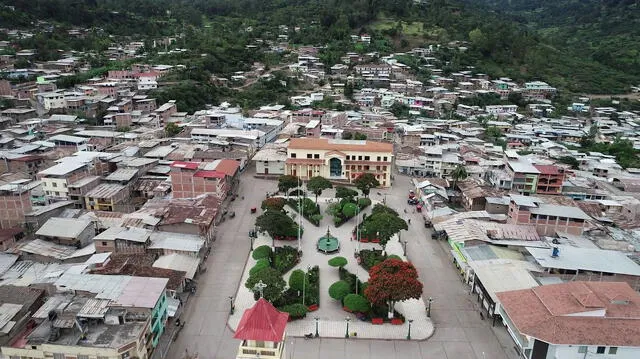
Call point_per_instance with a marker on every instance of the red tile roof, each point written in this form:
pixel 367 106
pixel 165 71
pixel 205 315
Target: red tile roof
pixel 328 145
pixel 552 313
pixel 548 169
pixel 262 322
pixel 187 165
pixel 228 167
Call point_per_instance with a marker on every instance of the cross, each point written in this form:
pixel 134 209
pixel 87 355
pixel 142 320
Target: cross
pixel 260 286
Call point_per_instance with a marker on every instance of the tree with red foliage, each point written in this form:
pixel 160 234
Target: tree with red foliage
pixel 393 281
pixel 273 203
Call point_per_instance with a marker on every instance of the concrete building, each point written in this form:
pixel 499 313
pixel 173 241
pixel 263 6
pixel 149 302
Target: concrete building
pixel 191 179
pixel 106 196
pixel 165 111
pixel 574 320
pixel 271 159
pixel 342 160
pixel 121 317
pixel 548 218
pixel 524 176
pixel 550 179
pixel 15 201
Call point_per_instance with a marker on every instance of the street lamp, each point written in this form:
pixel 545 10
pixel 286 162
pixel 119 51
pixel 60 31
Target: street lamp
pixel 252 236
pixel 304 282
pixel 346 333
pixel 316 318
pixel 231 306
pixel 409 332
pixel 404 247
pixel 429 307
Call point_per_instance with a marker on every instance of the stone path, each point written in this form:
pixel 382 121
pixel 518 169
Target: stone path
pixel 331 318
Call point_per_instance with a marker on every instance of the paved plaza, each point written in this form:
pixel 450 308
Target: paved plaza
pixel 460 333
pixel 331 317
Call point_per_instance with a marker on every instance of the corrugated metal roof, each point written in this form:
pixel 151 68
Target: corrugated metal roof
pixel 63 227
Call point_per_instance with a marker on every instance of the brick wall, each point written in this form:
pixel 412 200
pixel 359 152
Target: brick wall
pixel 12 209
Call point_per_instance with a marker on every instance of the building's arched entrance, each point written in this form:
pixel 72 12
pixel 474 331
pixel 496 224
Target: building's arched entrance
pixel 335 167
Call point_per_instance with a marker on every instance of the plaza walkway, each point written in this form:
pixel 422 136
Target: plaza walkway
pixel 331 317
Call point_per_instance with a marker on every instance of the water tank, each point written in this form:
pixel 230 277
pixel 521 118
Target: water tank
pixel 555 252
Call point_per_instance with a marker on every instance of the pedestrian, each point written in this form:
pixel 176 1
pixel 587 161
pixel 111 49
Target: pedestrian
pixel 409 220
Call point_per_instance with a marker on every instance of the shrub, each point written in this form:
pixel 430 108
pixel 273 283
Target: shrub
pixel 352 280
pixel 285 258
pixel 298 280
pixel 339 290
pixel 261 252
pixel 349 210
pixel 338 262
pixel 296 192
pixel 316 218
pixel 393 256
pixel 364 202
pixel 260 265
pixel 295 311
pixel 356 303
pixel 371 257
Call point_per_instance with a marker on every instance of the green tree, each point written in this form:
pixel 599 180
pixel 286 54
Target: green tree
pixel 349 210
pixel 383 226
pixel 171 129
pixel 272 278
pixel 347 135
pixel 260 265
pixel 570 160
pixel 339 290
pixel 298 280
pixel 365 182
pixel 348 90
pixel 262 252
pixel 287 182
pixel 458 173
pixel 344 192
pixel 318 184
pixel 399 110
pixel 277 224
pixel 589 139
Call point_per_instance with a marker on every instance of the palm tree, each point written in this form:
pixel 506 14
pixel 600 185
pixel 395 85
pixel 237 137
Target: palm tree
pixel 458 173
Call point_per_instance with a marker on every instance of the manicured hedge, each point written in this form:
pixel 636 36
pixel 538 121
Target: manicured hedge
pixel 261 252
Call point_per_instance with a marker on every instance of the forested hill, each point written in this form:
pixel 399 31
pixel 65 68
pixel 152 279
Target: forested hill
pixel 504 37
pixel 607 31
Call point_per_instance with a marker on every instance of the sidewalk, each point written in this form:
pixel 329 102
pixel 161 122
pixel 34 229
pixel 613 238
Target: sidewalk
pixel 332 323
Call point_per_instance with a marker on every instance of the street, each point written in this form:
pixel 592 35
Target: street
pixel 460 332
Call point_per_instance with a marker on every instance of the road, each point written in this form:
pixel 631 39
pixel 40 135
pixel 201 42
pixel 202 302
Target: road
pixel 460 333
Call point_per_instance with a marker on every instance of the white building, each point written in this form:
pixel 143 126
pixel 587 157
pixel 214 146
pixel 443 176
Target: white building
pixel 574 320
pixel 52 100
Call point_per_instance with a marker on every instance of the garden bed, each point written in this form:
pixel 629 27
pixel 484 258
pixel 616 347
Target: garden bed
pixel 285 258
pixel 311 211
pixel 368 258
pixel 346 209
pixel 291 299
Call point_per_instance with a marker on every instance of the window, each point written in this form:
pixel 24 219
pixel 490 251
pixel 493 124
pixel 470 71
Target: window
pixel 582 349
pixel 309 155
pixel 613 350
pixel 384 158
pixel 293 155
pixel 600 350
pixel 552 218
pixel 54 184
pixel 378 159
pixel 366 158
pixel 316 156
pixel 359 158
pixel 104 243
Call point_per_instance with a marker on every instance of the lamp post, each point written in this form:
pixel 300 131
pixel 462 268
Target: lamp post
pixel 404 247
pixel 409 332
pixel 357 228
pixel 346 333
pixel 231 307
pixel 304 282
pixel 316 319
pixel 429 307
pixel 252 235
